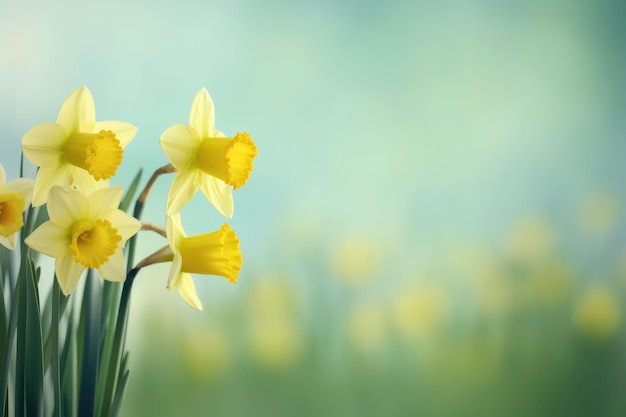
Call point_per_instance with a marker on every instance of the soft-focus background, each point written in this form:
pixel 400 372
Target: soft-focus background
pixel 435 224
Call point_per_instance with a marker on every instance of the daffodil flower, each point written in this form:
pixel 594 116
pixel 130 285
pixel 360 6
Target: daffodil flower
pixel 204 158
pixel 76 151
pixel 15 196
pixel 215 253
pixel 84 231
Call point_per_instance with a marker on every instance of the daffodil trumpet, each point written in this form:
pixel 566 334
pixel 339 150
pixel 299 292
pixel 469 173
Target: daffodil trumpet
pixel 15 196
pixel 206 159
pixel 215 253
pixel 76 151
pixel 84 231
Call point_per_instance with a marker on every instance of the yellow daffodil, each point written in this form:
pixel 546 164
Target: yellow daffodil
pixel 204 158
pixel 215 253
pixel 84 231
pixel 15 196
pixel 76 151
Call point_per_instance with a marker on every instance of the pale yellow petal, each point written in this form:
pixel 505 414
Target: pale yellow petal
pixel 114 269
pixel 101 201
pixel 187 290
pixel 126 225
pixel 3 176
pixel 202 115
pixel 182 190
pixel 23 187
pixel 124 132
pixel 46 178
pixel 180 144
pixel 65 206
pixel 175 272
pixel 82 181
pixel 68 272
pixel 78 113
pixel 49 239
pixel 219 194
pixel 9 241
pixel 174 231
pixel 42 145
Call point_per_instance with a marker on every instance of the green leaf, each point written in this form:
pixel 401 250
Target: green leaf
pixel 8 352
pixel 69 385
pixel 91 346
pixel 118 345
pixel 110 297
pixel 119 394
pixel 130 193
pixel 33 366
pixel 55 357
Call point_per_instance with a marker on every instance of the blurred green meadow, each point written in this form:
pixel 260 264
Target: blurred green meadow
pixel 436 221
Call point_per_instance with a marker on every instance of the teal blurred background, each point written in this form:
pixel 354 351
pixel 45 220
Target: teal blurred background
pixel 435 223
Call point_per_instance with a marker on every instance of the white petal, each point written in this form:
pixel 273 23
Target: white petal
pixel 101 201
pixel 219 194
pixel 23 187
pixel 78 112
pixel 46 178
pixel 113 269
pixel 182 190
pixel 187 290
pixel 9 242
pixel 64 206
pixel 49 239
pixel 68 273
pixel 3 176
pixel 124 132
pixel 126 225
pixel 180 144
pixel 202 114
pixel 42 145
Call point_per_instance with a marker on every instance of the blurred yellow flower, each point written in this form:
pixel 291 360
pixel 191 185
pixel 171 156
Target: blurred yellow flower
pixel 205 159
pixel 531 239
pixel 550 283
pixel 84 232
pixel 367 328
pixel 420 311
pixel 15 196
pixel 271 298
pixel 76 151
pixel 598 314
pixel 215 253
pixel 355 261
pixel 274 342
pixel 206 353
pixel 599 213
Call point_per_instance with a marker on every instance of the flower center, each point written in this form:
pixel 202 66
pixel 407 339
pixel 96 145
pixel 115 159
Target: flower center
pixel 215 253
pixel 93 242
pixel 98 153
pixel 229 159
pixel 11 207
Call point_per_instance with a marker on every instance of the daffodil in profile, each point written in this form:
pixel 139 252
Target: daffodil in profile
pixel 15 196
pixel 84 231
pixel 204 158
pixel 76 151
pixel 215 253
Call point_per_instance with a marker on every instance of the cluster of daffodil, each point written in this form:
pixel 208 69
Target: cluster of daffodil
pixel 87 229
